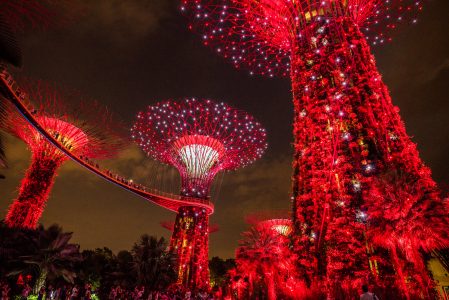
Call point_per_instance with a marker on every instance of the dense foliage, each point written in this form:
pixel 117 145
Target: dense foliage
pixel 46 257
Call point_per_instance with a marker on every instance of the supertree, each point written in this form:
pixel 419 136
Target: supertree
pixel 347 132
pixel 278 226
pixel 277 220
pixel 87 131
pixel 200 139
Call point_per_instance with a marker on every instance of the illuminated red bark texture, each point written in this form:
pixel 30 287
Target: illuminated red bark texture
pixel 347 134
pixel 35 188
pixel 190 240
pixel 200 139
pixel 86 131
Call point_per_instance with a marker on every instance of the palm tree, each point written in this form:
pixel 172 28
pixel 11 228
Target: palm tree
pixel 410 224
pixel 152 263
pixel 52 256
pixel 264 258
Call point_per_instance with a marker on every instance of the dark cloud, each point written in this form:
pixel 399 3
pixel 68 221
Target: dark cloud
pixel 123 20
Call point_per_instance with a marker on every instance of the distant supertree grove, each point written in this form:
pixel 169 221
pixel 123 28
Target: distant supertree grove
pixel 87 131
pixel 348 135
pixel 200 139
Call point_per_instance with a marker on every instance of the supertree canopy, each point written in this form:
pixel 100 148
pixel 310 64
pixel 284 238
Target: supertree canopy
pixel 347 132
pixel 200 139
pixel 263 35
pixel 277 220
pixel 86 131
pixel 280 226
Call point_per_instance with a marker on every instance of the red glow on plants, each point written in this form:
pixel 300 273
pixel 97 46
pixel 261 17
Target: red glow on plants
pixel 265 264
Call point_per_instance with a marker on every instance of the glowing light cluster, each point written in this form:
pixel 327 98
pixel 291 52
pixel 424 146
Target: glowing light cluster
pixel 262 35
pixel 199 154
pixel 199 138
pixel 85 132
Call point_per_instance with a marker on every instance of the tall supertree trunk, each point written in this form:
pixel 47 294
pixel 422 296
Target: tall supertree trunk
pixel 347 132
pixel 190 241
pixel 34 191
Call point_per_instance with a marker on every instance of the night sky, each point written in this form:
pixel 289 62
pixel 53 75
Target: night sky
pixel 129 54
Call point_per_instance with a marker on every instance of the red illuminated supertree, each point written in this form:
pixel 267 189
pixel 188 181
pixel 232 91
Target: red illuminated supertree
pixel 279 226
pixel 200 139
pixel 277 220
pixel 347 132
pixel 86 131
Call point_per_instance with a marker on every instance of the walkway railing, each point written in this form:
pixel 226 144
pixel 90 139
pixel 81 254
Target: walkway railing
pixel 173 202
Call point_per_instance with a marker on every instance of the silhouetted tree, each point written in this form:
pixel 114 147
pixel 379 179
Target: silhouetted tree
pixel 99 268
pixel 14 243
pixel 219 268
pixel 152 263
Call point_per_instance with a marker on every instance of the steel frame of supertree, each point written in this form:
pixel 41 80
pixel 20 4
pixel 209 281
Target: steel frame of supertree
pixel 200 139
pixel 87 131
pixel 347 132
pixel 19 15
pixel 16 16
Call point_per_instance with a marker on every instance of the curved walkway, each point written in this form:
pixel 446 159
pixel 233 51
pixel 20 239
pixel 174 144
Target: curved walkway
pixel 12 92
